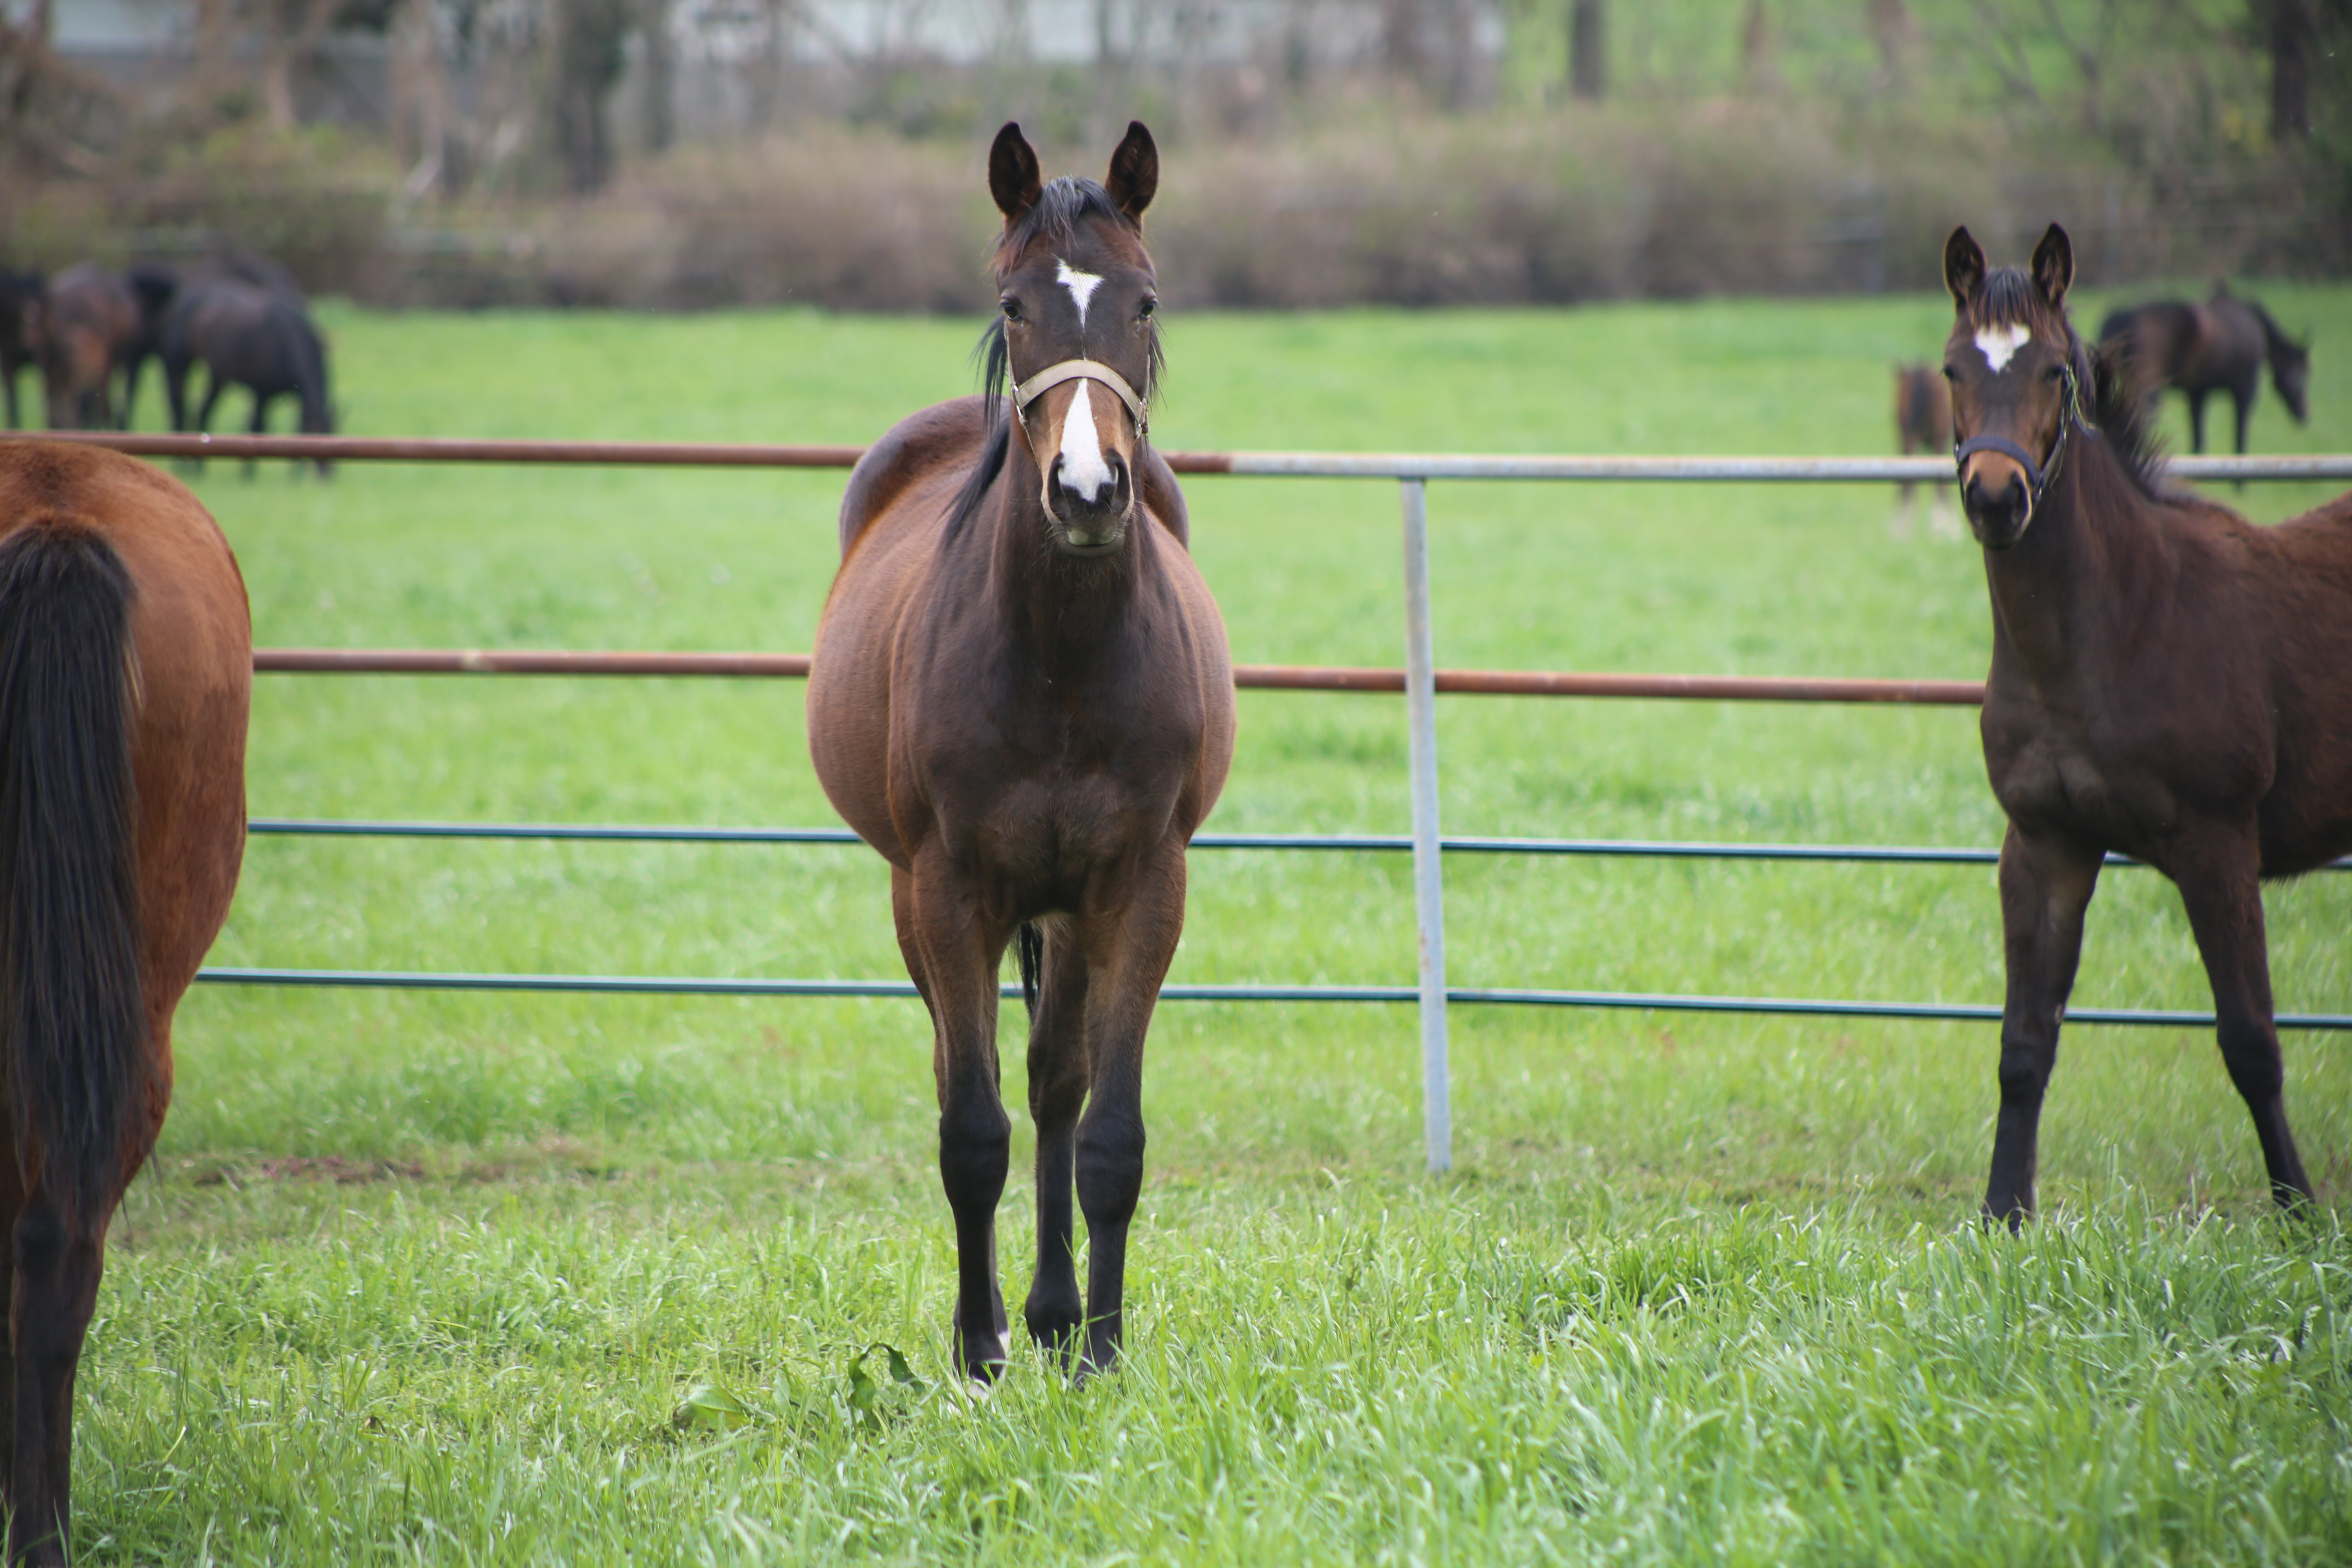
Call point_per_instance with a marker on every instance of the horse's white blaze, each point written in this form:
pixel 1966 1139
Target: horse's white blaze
pixel 1084 472
pixel 1999 345
pixel 1081 285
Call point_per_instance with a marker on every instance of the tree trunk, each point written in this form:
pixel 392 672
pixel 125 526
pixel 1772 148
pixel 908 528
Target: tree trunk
pixel 2294 40
pixel 1588 56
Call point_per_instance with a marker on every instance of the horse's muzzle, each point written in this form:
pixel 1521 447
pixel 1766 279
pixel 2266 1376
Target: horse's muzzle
pixel 1999 517
pixel 1090 527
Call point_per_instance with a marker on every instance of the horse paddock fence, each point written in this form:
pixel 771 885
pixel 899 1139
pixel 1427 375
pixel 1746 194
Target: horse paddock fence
pixel 1420 681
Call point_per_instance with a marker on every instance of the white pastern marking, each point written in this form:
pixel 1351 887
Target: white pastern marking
pixel 1084 472
pixel 1999 345
pixel 1081 285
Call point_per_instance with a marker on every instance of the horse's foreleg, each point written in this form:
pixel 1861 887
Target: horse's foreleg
pixel 2221 887
pixel 1057 1091
pixel 940 919
pixel 2045 886
pixel 1129 939
pixel 2197 421
pixel 58 1261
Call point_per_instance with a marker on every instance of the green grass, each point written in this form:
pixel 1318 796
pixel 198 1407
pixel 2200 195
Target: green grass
pixel 479 1278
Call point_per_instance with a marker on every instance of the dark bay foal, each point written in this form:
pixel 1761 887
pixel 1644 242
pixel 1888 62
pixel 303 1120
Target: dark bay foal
pixel 2168 682
pixel 1022 698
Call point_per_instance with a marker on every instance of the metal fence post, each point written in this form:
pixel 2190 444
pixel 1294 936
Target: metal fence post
pixel 1428 876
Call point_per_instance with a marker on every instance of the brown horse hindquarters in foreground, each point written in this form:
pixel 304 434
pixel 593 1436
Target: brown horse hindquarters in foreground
pixel 1022 698
pixel 2168 682
pixel 126 666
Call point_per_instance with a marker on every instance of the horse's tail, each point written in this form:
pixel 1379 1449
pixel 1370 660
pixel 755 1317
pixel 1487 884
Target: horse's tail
pixel 1029 945
pixel 72 1026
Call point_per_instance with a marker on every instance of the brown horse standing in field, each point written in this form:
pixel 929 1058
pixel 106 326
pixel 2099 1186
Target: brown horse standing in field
pixel 2168 682
pixel 2218 346
pixel 126 663
pixel 1923 422
pixel 1022 698
pixel 90 317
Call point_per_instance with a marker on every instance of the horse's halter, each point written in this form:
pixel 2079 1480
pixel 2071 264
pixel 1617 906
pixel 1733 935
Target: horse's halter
pixel 1053 375
pixel 2040 476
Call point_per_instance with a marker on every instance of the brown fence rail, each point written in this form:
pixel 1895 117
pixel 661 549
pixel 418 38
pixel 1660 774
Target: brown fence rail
pixel 1249 676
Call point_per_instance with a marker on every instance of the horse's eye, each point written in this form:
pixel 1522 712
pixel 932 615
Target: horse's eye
pixel 1947 372
pixel 1148 306
pixel 1012 309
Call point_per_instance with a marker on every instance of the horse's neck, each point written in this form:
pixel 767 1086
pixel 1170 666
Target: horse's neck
pixel 1060 610
pixel 2086 550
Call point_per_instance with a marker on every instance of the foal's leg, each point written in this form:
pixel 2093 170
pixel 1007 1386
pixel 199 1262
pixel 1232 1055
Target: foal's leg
pixel 1129 936
pixel 2045 886
pixel 1057 1090
pixel 2223 891
pixel 954 957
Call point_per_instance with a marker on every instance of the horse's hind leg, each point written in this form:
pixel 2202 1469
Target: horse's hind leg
pixel 2221 888
pixel 1057 1090
pixel 955 963
pixel 58 1261
pixel 2197 421
pixel 2045 886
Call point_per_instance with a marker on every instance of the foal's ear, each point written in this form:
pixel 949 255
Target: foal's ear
pixel 1963 266
pixel 1013 172
pixel 1134 176
pixel 2053 265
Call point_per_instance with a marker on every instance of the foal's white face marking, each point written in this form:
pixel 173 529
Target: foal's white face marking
pixel 1999 345
pixel 1081 285
pixel 1084 473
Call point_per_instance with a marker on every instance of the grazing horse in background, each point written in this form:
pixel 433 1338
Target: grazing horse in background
pixel 22 295
pixel 126 665
pixel 152 284
pixel 89 315
pixel 2168 682
pixel 2219 345
pixel 250 336
pixel 1923 422
pixel 1022 696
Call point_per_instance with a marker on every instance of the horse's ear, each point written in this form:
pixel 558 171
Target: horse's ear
pixel 1963 266
pixel 2053 265
pixel 1013 172
pixel 1134 176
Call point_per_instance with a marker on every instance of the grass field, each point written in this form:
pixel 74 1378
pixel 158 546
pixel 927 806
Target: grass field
pixel 463 1279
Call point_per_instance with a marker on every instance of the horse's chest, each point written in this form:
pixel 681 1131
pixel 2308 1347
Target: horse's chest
pixel 1047 804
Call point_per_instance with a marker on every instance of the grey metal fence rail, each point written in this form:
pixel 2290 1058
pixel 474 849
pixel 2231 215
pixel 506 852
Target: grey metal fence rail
pixel 1420 681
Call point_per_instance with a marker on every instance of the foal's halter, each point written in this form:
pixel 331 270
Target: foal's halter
pixel 2039 477
pixel 1053 375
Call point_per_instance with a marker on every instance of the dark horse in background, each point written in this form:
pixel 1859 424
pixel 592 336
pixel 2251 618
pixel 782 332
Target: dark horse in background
pixel 22 297
pixel 126 665
pixel 1923 423
pixel 2168 682
pixel 156 285
pixel 245 335
pixel 2218 346
pixel 1022 696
